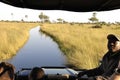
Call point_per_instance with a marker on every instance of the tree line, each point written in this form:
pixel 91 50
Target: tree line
pixel 93 20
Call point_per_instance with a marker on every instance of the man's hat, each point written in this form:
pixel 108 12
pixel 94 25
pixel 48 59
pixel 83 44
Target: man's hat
pixel 112 37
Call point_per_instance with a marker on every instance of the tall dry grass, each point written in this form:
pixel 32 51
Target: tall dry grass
pixel 13 35
pixel 84 46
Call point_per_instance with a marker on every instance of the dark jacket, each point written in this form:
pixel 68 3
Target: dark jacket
pixel 109 63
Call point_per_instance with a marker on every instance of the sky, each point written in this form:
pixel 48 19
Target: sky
pixel 6 12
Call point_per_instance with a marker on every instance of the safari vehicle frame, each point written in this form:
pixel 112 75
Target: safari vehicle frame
pixel 51 73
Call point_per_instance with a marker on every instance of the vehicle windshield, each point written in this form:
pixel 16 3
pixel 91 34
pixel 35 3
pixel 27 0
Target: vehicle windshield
pixel 56 38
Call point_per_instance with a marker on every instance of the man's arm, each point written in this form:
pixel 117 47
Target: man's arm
pixel 92 72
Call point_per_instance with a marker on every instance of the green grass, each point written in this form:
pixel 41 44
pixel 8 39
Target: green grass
pixel 83 46
pixel 13 35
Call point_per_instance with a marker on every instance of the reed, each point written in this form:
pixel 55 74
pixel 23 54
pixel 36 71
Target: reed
pixel 13 35
pixel 84 46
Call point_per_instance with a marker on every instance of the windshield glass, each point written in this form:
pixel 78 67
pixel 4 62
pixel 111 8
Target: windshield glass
pixel 32 38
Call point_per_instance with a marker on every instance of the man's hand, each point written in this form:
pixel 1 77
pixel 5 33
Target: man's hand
pixel 101 78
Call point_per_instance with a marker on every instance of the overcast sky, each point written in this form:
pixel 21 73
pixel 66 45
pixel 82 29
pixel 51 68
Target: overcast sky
pixel 19 13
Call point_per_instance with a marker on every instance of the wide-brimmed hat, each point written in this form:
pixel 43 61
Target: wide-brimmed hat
pixel 112 37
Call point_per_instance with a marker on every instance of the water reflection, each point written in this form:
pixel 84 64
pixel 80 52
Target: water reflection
pixel 40 50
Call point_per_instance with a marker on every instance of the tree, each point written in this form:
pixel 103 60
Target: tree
pixel 41 16
pixel 94 18
pixel 26 16
pixel 12 15
pixel 22 20
pixel 44 18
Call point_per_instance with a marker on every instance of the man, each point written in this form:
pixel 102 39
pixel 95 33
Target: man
pixel 109 63
pixel 37 74
pixel 7 71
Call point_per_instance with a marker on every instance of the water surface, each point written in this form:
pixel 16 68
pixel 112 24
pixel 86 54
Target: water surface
pixel 40 50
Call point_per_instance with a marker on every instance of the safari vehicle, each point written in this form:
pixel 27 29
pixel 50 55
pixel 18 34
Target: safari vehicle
pixel 51 73
pixel 70 5
pixel 58 73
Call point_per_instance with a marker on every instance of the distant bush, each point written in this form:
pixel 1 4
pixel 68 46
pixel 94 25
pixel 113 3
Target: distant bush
pixel 97 26
pixel 72 23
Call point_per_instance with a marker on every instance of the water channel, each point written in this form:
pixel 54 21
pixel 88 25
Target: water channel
pixel 40 50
